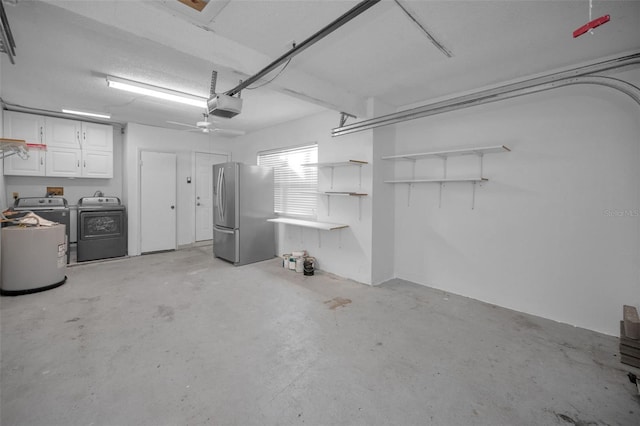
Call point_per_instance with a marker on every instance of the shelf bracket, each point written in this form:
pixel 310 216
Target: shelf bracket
pixel 444 172
pixel 344 116
pixel 332 177
pixel 473 197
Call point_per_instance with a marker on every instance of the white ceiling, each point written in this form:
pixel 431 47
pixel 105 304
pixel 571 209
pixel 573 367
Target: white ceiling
pixel 66 48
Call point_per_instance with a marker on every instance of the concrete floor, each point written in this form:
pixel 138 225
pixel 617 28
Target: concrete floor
pixel 181 338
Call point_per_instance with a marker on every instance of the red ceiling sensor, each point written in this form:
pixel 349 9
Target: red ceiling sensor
pixel 591 25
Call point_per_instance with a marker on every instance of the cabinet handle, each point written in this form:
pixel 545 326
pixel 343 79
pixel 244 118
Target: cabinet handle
pixel 41 161
pixel 85 163
pixel 84 136
pixel 78 133
pixel 78 163
pixel 41 139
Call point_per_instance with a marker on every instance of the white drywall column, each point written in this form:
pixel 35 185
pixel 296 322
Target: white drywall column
pixel 383 212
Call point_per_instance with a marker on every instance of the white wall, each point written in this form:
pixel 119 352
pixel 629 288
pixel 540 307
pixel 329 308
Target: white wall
pixel 383 241
pixel 346 252
pixel 140 138
pixel 542 238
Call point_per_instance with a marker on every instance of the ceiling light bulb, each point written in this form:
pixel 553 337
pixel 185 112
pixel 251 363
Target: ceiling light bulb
pixel 156 92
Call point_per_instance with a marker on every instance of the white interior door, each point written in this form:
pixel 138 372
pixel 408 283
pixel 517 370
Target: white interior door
pixel 204 193
pixel 157 201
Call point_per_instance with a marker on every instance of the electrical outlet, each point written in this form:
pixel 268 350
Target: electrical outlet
pixel 16 195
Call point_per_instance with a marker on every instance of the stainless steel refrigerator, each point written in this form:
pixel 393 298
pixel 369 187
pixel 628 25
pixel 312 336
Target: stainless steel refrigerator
pixel 243 201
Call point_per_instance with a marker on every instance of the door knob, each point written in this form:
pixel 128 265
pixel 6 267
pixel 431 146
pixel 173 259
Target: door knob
pixel 173 207
pixel 197 204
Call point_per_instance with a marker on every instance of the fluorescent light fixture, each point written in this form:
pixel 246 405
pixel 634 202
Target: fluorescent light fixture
pixel 88 114
pixel 156 92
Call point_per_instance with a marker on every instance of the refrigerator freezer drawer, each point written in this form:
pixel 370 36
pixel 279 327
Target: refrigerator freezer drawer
pixel 226 244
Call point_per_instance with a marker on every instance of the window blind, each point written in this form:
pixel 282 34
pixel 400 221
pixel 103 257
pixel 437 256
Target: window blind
pixel 295 186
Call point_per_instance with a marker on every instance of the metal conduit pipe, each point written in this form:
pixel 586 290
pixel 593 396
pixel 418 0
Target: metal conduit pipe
pixel 581 75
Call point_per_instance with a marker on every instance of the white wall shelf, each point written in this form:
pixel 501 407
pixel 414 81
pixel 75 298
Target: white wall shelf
pixel 449 153
pixel 475 179
pixel 329 194
pixel 336 164
pixel 343 193
pixel 444 155
pixel 357 163
pixel 319 226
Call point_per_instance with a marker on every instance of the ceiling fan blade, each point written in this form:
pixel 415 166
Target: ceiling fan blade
pixel 182 124
pixel 230 132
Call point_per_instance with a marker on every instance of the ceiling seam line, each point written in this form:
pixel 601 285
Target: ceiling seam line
pixel 426 32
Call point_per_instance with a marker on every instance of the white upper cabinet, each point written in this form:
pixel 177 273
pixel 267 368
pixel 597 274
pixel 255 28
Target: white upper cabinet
pixel 63 147
pixel 97 137
pixel 32 166
pixel 63 162
pixel 62 133
pixel 97 164
pixel 28 127
pixel 73 148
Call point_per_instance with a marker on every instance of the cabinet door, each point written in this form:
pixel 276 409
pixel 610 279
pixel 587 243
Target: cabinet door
pixel 62 133
pixel 29 127
pixel 97 137
pixel 19 125
pixel 63 162
pixel 32 166
pixel 97 164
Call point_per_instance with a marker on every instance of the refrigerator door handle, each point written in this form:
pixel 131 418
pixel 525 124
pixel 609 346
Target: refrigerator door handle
pixel 224 231
pixel 218 195
pixel 223 195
